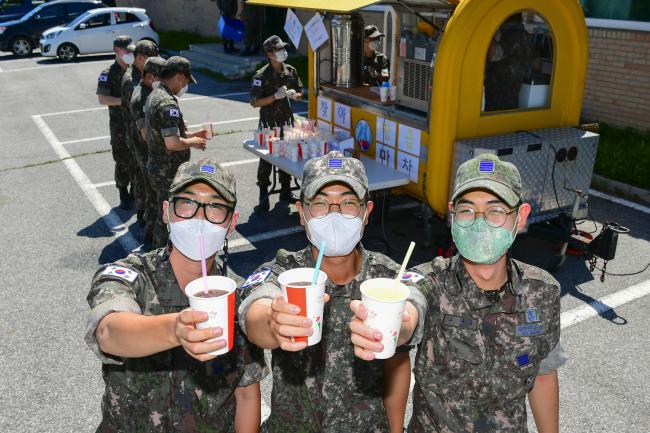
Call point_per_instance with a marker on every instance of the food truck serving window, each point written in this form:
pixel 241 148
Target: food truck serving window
pixel 519 65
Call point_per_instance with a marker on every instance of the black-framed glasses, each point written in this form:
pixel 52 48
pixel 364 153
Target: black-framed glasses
pixel 320 208
pixel 495 216
pixel 186 208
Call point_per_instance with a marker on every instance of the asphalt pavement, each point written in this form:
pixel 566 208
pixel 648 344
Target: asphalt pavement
pixel 60 221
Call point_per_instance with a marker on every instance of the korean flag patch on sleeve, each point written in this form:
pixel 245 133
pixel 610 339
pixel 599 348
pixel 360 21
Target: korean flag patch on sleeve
pixel 257 82
pixel 257 278
pixel 412 277
pixel 103 78
pixel 173 112
pixel 120 272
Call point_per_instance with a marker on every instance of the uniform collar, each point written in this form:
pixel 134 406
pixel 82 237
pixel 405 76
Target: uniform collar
pixel 472 293
pixel 168 291
pixel 285 69
pixel 166 89
pixel 306 258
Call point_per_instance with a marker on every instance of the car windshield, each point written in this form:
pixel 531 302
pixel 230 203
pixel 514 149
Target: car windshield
pixel 79 19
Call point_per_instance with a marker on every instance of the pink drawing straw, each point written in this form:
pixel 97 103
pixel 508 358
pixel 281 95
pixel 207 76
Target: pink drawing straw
pixel 203 267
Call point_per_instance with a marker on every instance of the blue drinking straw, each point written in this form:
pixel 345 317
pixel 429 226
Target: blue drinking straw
pixel 318 262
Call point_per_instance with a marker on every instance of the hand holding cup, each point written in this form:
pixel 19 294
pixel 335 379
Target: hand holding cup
pixel 193 340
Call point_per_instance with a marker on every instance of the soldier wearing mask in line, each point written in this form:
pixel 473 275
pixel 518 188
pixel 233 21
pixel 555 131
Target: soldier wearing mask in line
pixel 375 65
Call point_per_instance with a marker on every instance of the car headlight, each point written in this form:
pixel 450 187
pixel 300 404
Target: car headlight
pixel 2 30
pixel 53 35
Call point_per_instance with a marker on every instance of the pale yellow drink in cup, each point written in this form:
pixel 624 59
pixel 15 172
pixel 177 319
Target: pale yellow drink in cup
pixel 220 309
pixel 385 300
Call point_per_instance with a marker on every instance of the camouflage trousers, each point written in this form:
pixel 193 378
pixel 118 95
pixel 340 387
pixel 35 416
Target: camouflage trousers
pixel 138 174
pixel 160 176
pixel 122 156
pixel 264 171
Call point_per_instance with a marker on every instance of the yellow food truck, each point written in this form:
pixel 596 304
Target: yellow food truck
pixel 465 77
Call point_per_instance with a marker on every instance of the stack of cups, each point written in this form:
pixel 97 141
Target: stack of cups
pixel 219 303
pixel 298 290
pixel 273 145
pixel 385 300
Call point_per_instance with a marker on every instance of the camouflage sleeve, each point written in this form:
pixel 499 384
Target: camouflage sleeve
pixel 115 82
pixel 170 120
pixel 263 283
pixel 257 90
pixel 103 87
pixel 297 85
pixel 137 111
pixel 554 360
pixel 419 284
pixel 385 63
pixel 551 316
pixel 255 368
pixel 110 293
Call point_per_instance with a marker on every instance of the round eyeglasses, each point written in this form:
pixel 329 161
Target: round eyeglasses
pixel 495 216
pixel 320 208
pixel 186 208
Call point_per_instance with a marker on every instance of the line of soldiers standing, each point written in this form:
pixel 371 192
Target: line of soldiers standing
pixel 149 139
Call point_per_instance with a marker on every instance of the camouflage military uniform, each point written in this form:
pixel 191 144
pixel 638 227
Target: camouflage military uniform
pixel 372 67
pixel 109 84
pixel 478 358
pixel 138 100
pixel 163 118
pixel 265 83
pixel 130 79
pixel 325 388
pixel 169 391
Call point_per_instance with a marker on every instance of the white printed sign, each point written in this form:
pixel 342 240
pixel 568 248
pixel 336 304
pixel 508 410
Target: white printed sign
pixel 324 108
pixel 409 140
pixel 342 115
pixel 385 155
pixel 386 131
pixel 293 28
pixel 324 126
pixel 316 31
pixel 408 164
pixel 420 53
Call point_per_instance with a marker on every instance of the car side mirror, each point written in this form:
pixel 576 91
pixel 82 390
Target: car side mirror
pixel 83 26
pixel 37 17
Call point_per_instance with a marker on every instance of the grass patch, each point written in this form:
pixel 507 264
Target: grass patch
pixel 301 63
pixel 177 41
pixel 624 155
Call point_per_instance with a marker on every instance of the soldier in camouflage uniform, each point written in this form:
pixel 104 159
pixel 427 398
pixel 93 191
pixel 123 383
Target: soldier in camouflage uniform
pixel 168 141
pixel 109 88
pixel 492 329
pixel 376 66
pixel 273 86
pixel 131 78
pixel 159 376
pixel 324 388
pixel 151 74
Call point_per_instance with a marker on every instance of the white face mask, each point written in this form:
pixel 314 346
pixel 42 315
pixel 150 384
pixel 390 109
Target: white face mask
pixel 498 53
pixel 281 56
pixel 155 84
pixel 373 45
pixel 185 236
pixel 342 234
pixel 183 90
pixel 128 58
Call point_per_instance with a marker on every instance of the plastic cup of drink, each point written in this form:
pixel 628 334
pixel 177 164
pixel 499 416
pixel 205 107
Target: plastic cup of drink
pixel 310 298
pixel 392 93
pixel 207 127
pixel 383 93
pixel 220 309
pixel 385 300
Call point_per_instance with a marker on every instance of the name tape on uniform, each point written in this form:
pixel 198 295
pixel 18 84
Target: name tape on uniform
pixel 460 322
pixel 529 330
pixel 257 278
pixel 120 272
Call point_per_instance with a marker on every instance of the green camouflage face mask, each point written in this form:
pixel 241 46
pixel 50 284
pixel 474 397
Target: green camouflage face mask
pixel 481 243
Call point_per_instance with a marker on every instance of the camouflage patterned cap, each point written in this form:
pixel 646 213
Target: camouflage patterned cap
pixel 488 172
pixel 177 65
pixel 208 171
pixel 146 48
pixel 154 65
pixel 273 43
pixel 334 167
pixel 372 32
pixel 124 41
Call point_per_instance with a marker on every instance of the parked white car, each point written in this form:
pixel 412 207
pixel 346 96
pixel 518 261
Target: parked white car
pixel 94 31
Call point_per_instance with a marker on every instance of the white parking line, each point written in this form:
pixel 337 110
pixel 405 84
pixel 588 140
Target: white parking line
pixel 34 68
pixel 604 304
pixel 1 70
pixel 103 184
pixel 85 140
pixel 620 201
pixel 112 220
pixel 246 242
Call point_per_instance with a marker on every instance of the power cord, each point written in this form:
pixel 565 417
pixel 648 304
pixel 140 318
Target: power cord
pixel 615 274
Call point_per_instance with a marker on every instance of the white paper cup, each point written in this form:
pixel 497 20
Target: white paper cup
pixel 221 309
pixel 392 93
pixel 310 299
pixel 207 127
pixel 383 93
pixel 385 310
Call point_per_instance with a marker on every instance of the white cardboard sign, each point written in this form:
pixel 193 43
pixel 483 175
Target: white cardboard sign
pixel 324 108
pixel 342 115
pixel 316 31
pixel 408 164
pixel 409 140
pixel 293 28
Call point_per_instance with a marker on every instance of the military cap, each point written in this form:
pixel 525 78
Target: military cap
pixel 146 48
pixel 177 65
pixel 154 65
pixel 372 32
pixel 334 167
pixel 124 41
pixel 208 171
pixel 274 43
pixel 488 172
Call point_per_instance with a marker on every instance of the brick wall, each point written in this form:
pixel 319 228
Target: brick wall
pixel 618 81
pixel 196 16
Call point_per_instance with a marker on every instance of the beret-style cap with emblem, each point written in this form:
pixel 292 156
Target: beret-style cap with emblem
pixel 273 43
pixel 334 167
pixel 177 65
pixel 208 171
pixel 488 172
pixel 124 41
